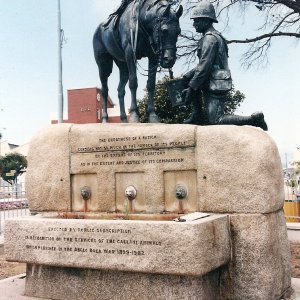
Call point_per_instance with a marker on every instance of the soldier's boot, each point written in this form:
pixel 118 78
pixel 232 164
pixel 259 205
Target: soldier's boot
pixel 256 119
pixel 196 116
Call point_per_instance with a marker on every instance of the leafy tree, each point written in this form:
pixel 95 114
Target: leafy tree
pixel 176 115
pixel 292 182
pixel 12 165
pixel 1 165
pixel 297 166
pixel 280 18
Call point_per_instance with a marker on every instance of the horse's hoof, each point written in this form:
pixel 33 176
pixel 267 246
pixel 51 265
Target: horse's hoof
pixel 134 117
pixel 124 120
pixel 104 120
pixel 153 118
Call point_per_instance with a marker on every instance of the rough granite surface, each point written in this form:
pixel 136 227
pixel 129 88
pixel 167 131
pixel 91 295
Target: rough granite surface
pixel 48 173
pixel 237 168
pixel 233 170
pixel 162 247
pixel 78 284
pixel 260 265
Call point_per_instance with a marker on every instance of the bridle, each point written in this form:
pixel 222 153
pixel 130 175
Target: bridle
pixel 155 40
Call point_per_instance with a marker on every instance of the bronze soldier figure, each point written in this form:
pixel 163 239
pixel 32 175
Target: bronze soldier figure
pixel 210 80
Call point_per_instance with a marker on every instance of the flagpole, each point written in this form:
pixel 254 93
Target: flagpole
pixel 60 86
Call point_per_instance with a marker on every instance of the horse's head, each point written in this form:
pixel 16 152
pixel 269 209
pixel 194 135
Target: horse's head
pixel 166 32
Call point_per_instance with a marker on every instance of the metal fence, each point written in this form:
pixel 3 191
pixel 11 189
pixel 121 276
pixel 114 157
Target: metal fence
pixel 292 204
pixel 13 203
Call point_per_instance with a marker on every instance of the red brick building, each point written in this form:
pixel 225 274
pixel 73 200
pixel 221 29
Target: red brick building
pixel 85 106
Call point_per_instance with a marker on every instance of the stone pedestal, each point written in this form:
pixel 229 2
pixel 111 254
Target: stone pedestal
pixel 238 250
pixel 77 284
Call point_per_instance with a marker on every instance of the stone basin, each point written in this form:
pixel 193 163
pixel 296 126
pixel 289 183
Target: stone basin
pixel 156 244
pixel 112 216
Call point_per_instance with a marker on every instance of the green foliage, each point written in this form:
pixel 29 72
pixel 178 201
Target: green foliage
pixel 176 115
pixel 292 183
pixel 163 106
pixel 1 165
pixel 12 165
pixel 233 101
pixel 297 167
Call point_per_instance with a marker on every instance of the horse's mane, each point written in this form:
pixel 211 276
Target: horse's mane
pixel 156 4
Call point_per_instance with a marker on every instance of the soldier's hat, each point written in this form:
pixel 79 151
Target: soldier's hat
pixel 204 9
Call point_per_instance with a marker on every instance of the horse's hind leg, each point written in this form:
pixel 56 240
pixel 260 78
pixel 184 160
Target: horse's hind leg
pixel 124 76
pixel 105 64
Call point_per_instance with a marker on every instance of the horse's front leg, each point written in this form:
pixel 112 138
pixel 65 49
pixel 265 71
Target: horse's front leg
pixel 133 85
pixel 121 88
pixel 152 116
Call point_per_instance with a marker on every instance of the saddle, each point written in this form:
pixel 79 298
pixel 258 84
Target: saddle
pixel 118 13
pixel 112 24
pixel 111 29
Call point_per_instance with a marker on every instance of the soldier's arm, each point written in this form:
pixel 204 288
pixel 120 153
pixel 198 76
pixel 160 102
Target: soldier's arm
pixel 189 75
pixel 203 69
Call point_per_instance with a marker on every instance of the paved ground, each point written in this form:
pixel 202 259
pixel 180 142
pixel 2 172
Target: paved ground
pixel 296 287
pixel 13 288
pixel 293 231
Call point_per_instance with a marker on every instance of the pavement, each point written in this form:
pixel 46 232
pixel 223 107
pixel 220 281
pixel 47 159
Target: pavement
pixel 296 288
pixel 293 230
pixel 13 288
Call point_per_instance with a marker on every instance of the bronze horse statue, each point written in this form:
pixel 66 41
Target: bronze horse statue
pixel 146 28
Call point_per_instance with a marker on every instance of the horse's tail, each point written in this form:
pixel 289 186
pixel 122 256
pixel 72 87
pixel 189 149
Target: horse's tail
pixel 97 42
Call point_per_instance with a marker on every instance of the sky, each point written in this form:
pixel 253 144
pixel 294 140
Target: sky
pixel 29 67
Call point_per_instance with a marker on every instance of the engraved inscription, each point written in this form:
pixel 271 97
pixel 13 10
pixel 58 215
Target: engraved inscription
pixel 131 143
pixel 136 151
pixel 130 158
pixel 104 242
